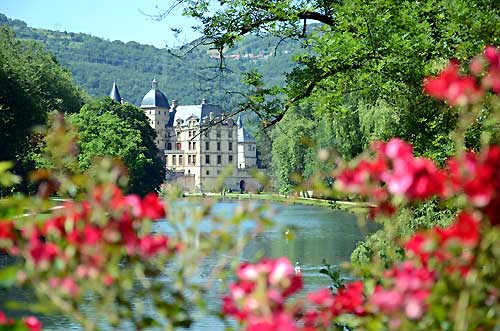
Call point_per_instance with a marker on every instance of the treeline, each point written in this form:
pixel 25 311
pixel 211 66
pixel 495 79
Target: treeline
pixel 95 63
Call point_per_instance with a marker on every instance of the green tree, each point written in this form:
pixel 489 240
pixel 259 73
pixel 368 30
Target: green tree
pixel 107 128
pixel 32 84
pixel 364 56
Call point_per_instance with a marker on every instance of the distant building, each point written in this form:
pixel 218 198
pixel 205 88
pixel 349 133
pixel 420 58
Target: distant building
pixel 201 144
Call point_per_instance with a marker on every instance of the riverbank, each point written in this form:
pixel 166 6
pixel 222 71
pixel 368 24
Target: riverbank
pixel 351 206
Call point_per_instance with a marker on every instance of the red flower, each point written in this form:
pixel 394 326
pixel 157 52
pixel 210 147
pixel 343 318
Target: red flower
pixel 7 230
pixel 455 89
pixel 465 229
pixel 4 320
pixel 152 207
pixel 43 252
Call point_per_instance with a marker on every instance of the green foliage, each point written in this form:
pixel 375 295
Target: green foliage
pixel 290 150
pixel 383 245
pixel 362 68
pixel 32 84
pixel 107 128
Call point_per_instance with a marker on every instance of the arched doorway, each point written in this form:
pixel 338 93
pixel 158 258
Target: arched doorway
pixel 242 186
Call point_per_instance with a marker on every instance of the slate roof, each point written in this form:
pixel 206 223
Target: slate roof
pixel 115 94
pixel 198 111
pixel 154 98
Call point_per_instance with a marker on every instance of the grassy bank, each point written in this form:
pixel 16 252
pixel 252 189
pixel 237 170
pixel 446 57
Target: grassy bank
pixel 343 205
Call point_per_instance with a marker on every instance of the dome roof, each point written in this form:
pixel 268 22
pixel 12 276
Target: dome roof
pixel 154 98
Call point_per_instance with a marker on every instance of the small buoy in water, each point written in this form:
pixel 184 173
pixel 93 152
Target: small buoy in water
pixel 297 268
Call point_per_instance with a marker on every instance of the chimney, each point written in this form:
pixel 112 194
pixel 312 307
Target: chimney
pixel 204 101
pixel 174 104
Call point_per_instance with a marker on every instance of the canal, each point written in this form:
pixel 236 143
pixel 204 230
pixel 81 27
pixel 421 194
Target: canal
pixel 318 234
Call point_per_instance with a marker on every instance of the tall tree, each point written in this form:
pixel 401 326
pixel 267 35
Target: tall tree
pixel 107 128
pixel 32 84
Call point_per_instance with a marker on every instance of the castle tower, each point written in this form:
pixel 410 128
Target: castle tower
pixel 247 147
pixel 156 108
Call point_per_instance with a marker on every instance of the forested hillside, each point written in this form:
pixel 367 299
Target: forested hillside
pixel 95 63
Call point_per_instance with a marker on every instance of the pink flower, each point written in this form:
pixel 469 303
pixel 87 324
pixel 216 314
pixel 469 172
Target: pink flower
pixel 150 245
pixel 277 322
pixel 409 289
pixel 33 323
pixel 282 269
pixel 321 297
pixel 247 271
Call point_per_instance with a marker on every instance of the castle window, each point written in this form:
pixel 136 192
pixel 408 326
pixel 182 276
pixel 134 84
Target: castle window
pixel 194 159
pixel 230 159
pixel 207 146
pixel 230 133
pixel 174 160
pixel 189 159
pixel 180 160
pixel 218 134
pixel 230 146
pixel 189 146
pixel 219 159
pixel 208 172
pixel 194 145
pixel 207 159
pixel 189 172
pixel 190 133
pixel 169 134
pixel 178 146
pixel 169 146
pixel 218 146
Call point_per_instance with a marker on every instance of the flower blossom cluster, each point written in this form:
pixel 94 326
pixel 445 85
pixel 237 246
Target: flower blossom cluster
pixel 394 171
pixel 258 297
pixel 30 323
pixel 409 288
pixel 450 247
pixel 461 90
pixel 478 177
pixel 80 240
pixel 326 305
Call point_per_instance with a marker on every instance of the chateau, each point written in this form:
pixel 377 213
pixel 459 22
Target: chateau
pixel 204 149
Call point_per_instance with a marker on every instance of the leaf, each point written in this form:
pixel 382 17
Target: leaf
pixel 8 275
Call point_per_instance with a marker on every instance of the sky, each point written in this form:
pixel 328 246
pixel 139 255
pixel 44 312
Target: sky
pixel 108 19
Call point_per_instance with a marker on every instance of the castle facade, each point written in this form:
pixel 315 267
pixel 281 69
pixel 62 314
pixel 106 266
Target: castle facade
pixel 204 149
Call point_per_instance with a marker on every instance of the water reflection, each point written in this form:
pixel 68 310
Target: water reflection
pixel 318 234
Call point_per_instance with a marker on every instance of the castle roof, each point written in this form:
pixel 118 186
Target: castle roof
pixel 115 94
pixel 154 98
pixel 198 111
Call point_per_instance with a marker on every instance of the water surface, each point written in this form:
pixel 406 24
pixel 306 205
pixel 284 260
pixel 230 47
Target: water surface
pixel 318 234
